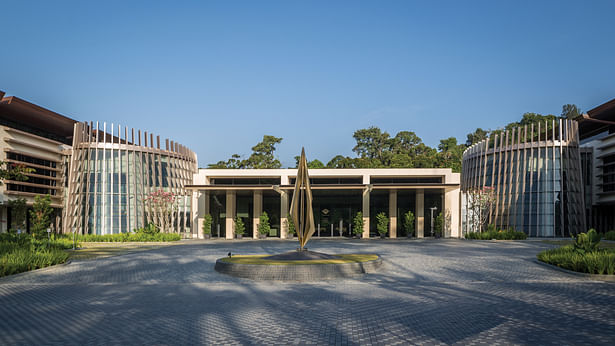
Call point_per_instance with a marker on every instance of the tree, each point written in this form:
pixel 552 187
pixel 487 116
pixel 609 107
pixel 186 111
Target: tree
pixel 262 156
pixel 161 209
pixel 207 221
pixel 438 225
pixel 405 142
pixel 240 227
pixel 451 154
pixel 408 223
pixel 357 223
pixel 314 164
pixel 371 143
pixel 40 216
pixel 570 111
pixel 290 224
pixel 233 163
pixel 18 212
pixel 263 224
pixel 480 204
pixel 382 223
pixel 476 136
pixel 340 161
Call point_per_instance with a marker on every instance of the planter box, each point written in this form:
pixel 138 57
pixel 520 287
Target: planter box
pixel 262 236
pixel 239 236
pixel 206 236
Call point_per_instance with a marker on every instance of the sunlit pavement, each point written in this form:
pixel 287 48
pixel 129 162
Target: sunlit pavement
pixel 429 292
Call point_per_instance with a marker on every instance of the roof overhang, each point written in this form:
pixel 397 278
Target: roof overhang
pixel 21 111
pixel 591 125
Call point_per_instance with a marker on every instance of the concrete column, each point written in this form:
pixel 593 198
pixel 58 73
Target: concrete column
pixel 202 208
pixel 231 198
pixel 451 215
pixel 420 213
pixel 284 214
pixel 393 214
pixel 256 212
pixel 365 212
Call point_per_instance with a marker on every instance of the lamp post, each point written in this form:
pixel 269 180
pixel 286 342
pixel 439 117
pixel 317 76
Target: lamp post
pixel 432 209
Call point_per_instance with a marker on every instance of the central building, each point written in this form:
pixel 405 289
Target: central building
pixel 339 194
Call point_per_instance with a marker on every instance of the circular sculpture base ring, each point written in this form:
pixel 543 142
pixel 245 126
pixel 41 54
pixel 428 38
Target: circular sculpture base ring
pixel 273 268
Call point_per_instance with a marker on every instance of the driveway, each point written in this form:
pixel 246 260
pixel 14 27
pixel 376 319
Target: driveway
pixel 429 292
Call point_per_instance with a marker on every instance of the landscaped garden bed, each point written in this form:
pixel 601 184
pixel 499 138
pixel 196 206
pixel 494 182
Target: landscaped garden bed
pixel 129 237
pixel 584 256
pixel 497 235
pixel 22 252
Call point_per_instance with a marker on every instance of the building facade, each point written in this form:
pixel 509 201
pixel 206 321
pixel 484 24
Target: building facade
pixel 38 139
pixel 113 171
pixel 339 194
pixel 99 176
pixel 534 176
pixel 597 134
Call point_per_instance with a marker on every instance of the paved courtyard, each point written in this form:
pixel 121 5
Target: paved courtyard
pixel 429 292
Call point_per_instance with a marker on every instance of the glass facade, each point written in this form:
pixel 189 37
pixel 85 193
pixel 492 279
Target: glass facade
pixel 534 176
pixel 111 178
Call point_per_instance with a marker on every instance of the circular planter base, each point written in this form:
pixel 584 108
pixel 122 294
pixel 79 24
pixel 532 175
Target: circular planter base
pixel 299 266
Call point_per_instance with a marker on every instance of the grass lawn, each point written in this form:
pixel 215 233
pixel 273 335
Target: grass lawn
pixel 258 259
pixel 91 251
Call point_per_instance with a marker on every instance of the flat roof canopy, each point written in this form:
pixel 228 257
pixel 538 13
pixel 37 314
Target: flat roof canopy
pixel 448 187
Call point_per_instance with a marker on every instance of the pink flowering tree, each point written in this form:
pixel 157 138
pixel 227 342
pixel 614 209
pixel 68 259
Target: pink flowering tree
pixel 480 204
pixel 161 206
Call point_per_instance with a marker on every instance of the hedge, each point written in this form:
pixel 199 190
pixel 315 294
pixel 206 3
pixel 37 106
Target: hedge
pixel 498 235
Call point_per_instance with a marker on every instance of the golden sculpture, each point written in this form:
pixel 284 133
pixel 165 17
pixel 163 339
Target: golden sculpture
pixel 301 211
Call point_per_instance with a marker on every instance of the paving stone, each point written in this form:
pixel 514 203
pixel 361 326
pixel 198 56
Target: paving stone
pixel 430 292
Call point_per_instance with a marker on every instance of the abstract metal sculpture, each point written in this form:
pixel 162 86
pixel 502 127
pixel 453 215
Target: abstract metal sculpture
pixel 301 211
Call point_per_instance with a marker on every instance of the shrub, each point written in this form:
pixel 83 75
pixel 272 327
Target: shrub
pixel 599 261
pixel 129 237
pixel 22 252
pixel 207 221
pixel 409 223
pixel 610 235
pixel 357 223
pixel 149 229
pixel 382 223
pixel 498 235
pixel 587 242
pixel 438 225
pixel 263 225
pixel 240 227
pixel 40 216
pixel 291 226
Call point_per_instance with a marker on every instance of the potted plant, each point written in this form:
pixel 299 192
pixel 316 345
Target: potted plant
pixel 382 224
pixel 357 225
pixel 290 228
pixel 263 226
pixel 207 221
pixel 409 224
pixel 240 227
pixel 438 225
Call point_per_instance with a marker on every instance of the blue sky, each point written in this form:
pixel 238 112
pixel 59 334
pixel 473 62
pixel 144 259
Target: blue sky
pixel 218 75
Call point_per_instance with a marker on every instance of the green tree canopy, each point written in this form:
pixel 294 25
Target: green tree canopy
pixel 570 111
pixel 262 156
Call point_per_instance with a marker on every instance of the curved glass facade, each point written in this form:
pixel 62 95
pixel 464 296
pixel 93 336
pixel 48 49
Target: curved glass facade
pixel 534 176
pixel 113 170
